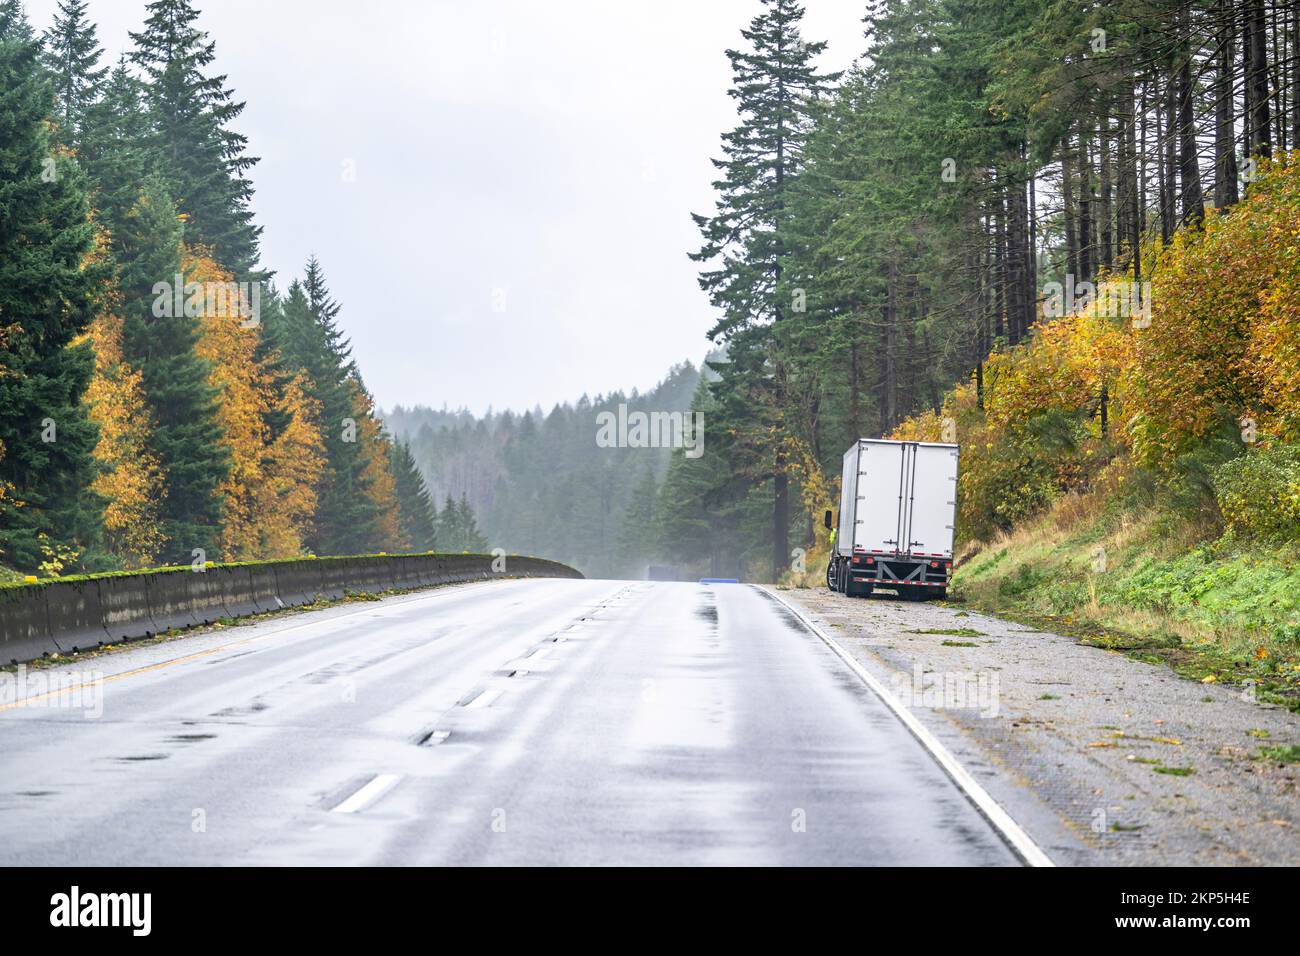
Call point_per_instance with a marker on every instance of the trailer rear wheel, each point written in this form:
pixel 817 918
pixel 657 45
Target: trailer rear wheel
pixel 831 570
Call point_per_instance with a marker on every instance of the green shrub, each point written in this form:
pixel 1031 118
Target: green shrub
pixel 1025 579
pixel 1259 494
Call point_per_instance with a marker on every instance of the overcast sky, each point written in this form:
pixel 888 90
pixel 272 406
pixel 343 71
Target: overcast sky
pixel 516 226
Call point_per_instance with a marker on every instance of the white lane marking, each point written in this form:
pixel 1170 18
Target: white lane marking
pixel 485 699
pixel 1010 831
pixel 372 791
pixel 539 652
pixel 436 737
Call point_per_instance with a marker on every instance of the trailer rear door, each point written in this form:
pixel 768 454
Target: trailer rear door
pixel 881 477
pixel 932 504
pixel 848 501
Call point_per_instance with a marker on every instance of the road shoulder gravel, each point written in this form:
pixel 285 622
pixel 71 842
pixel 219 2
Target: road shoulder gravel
pixel 1102 759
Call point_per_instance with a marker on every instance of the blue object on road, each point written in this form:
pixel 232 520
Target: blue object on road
pixel 719 581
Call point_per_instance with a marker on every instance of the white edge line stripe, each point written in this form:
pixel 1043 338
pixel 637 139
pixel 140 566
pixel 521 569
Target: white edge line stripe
pixel 1016 838
pixel 377 787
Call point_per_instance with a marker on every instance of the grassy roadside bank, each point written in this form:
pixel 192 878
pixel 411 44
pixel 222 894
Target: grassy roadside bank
pixel 1139 583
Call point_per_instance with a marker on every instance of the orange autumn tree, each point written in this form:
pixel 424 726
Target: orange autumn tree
pixel 270 491
pixel 381 487
pixel 132 481
pixel 1038 433
pixel 1225 334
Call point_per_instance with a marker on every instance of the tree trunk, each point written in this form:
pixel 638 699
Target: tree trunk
pixel 1134 196
pixel 1189 173
pixel 888 359
pixel 855 385
pixel 1105 212
pixel 1067 212
pixel 1087 232
pixel 1260 137
pixel 1129 187
pixel 1295 77
pixel 1015 260
pixel 1225 134
pixel 999 261
pixel 1143 178
pixel 1168 186
pixel 1277 30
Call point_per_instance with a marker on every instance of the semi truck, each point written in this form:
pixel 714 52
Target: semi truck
pixel 898 506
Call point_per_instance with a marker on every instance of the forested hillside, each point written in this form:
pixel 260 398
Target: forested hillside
pixel 543 483
pixel 1059 233
pixel 946 212
pixel 161 399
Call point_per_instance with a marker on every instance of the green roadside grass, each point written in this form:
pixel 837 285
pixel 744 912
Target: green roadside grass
pixel 1138 584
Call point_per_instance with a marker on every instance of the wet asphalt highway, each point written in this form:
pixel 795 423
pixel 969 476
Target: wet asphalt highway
pixel 519 722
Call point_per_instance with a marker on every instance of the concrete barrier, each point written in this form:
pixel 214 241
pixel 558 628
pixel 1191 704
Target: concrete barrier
pixel 76 615
pixel 24 625
pixel 263 590
pixel 406 571
pixel 174 597
pixel 298 582
pixel 237 593
pixel 65 616
pixel 125 600
pixel 337 577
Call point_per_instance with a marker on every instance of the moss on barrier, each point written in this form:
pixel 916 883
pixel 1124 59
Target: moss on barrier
pixel 60 615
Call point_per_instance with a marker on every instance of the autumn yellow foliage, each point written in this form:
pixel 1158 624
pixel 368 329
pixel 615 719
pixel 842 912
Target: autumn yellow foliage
pixel 381 486
pixel 270 491
pixel 1220 338
pixel 1225 330
pixel 132 481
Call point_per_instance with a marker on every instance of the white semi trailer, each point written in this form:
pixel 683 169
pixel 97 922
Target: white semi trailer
pixel 898 506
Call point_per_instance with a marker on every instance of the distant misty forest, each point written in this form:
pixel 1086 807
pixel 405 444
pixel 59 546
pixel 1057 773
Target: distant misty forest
pixel 538 481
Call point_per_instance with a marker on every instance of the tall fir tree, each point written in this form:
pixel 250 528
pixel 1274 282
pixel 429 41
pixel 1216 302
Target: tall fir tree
pixel 306 334
pixel 50 284
pixel 774 83
pixel 471 538
pixel 71 55
pixel 636 536
pixel 417 514
pixel 203 159
pixel 176 380
pixel 450 529
pixel 114 147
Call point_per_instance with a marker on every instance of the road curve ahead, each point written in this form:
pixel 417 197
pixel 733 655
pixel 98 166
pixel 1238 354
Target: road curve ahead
pixel 520 722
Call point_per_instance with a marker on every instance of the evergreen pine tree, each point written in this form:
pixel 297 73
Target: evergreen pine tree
pixel 450 529
pixel 636 537
pixel 176 382
pixel 774 84
pixel 416 511
pixel 113 147
pixel 471 539
pixel 71 56
pixel 306 334
pixel 49 289
pixel 203 159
